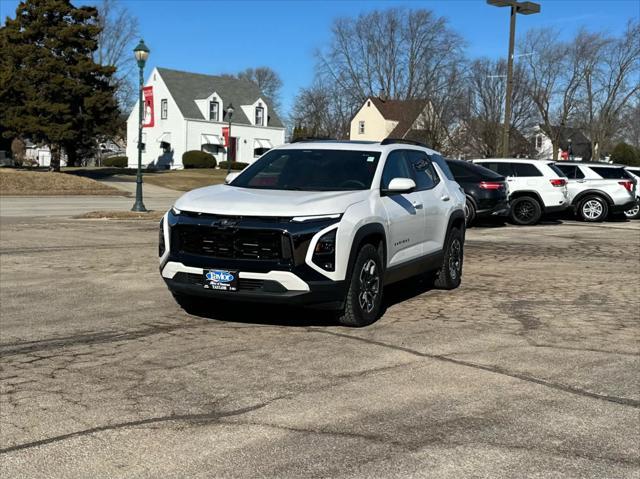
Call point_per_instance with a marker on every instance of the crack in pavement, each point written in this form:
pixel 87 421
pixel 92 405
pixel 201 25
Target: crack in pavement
pixel 13 349
pixel 494 369
pixel 205 417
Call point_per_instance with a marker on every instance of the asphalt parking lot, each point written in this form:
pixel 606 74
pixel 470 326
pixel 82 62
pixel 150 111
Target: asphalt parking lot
pixel 530 369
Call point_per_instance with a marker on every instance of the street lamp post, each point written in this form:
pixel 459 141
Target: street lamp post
pixel 141 53
pixel 229 115
pixel 525 8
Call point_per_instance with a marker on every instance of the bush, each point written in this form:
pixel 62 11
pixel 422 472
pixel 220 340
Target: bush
pixel 235 165
pixel 116 161
pixel 626 155
pixel 198 159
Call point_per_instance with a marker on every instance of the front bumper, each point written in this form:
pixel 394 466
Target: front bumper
pixel 500 209
pixel 272 287
pixel 556 209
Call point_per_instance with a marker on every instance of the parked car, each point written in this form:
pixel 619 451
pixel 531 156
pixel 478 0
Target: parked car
pixel 536 187
pixel 486 190
pixel 598 189
pixel 320 223
pixel 634 213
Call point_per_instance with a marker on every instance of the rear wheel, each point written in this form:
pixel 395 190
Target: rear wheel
pixel 633 213
pixel 469 212
pixel 450 274
pixel 364 296
pixel 592 209
pixel 525 211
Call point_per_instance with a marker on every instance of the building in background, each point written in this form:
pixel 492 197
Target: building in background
pixel 187 111
pixel 380 118
pixel 573 143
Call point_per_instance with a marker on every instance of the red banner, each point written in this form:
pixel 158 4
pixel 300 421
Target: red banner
pixel 225 134
pixel 147 94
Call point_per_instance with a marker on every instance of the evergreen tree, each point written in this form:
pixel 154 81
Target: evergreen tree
pixel 51 90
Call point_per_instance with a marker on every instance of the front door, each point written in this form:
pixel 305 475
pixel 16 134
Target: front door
pixel 405 213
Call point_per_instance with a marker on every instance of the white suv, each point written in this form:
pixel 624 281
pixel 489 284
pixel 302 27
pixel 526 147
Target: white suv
pixel 634 213
pixel 323 223
pixel 536 187
pixel 597 189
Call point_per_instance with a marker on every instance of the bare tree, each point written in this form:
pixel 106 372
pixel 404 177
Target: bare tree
pixel 610 83
pixel 115 45
pixel 556 72
pixel 268 81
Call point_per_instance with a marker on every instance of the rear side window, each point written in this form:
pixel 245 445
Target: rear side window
pixel 526 169
pixel 556 170
pixel 570 171
pixel 501 167
pixel 611 173
pixel 444 166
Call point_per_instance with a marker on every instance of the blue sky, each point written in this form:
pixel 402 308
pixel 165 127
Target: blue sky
pixel 215 36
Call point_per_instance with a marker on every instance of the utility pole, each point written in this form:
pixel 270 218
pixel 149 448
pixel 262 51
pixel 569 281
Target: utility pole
pixel 525 8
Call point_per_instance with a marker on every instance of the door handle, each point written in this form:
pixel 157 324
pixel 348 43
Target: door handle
pixel 417 205
pixel 445 198
pixel 582 181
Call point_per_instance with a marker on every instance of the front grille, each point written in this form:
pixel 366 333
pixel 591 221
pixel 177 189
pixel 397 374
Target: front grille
pixel 230 243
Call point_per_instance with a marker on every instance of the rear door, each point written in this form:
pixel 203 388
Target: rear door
pixel 405 212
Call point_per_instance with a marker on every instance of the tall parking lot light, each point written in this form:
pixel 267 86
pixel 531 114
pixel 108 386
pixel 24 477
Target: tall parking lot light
pixel 229 115
pixel 525 8
pixel 141 52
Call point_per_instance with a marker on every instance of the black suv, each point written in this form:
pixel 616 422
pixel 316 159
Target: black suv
pixel 485 189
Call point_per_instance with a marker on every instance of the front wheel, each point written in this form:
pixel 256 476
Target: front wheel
pixel 450 274
pixel 364 296
pixel 592 209
pixel 525 211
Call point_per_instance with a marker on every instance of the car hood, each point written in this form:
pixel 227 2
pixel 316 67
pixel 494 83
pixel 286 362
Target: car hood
pixel 235 201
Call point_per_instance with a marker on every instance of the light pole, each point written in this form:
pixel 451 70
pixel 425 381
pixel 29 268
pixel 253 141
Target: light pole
pixel 229 115
pixel 141 53
pixel 525 8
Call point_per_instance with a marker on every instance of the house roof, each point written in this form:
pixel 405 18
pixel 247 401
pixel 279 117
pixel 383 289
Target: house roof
pixel 580 144
pixel 405 112
pixel 187 87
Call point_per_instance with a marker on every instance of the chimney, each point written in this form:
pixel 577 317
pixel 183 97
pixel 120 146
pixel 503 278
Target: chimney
pixel 382 94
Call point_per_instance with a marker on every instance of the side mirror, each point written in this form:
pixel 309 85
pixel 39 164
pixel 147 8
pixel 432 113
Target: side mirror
pixel 400 185
pixel 231 176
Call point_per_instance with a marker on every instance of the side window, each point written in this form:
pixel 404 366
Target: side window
pixel 423 170
pixel 462 173
pixel 444 166
pixel 526 170
pixel 501 167
pixel 396 166
pixel 579 173
pixel 568 170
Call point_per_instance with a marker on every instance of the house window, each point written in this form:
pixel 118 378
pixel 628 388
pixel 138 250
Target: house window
pixel 361 128
pixel 214 111
pixel 164 107
pixel 538 142
pixel 259 116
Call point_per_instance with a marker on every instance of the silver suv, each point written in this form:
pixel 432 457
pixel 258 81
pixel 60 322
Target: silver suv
pixel 598 189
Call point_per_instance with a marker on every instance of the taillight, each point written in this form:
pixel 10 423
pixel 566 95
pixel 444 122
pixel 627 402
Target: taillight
pixel 491 185
pixel 628 184
pixel 558 182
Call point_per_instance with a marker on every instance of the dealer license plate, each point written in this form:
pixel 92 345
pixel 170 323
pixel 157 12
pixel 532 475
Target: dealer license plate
pixel 220 280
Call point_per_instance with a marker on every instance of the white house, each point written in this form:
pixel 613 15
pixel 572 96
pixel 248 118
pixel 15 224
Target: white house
pixel 189 113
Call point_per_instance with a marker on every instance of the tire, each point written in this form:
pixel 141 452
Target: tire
pixel 364 297
pixel 592 209
pixel 525 211
pixel 449 275
pixel 633 213
pixel 469 212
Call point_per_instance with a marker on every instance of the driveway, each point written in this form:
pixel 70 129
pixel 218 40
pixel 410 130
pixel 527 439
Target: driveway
pixel 530 369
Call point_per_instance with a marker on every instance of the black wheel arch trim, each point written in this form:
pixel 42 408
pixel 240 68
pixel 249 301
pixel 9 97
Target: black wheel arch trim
pixel 370 229
pixel 583 194
pixel 520 193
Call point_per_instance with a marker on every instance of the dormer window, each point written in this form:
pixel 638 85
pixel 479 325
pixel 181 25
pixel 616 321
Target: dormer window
pixel 259 116
pixel 214 111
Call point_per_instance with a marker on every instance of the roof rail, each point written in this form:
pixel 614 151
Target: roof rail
pixel 390 141
pixel 310 138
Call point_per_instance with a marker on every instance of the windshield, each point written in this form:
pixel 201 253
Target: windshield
pixel 311 170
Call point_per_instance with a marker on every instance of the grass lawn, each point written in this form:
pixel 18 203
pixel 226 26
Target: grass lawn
pixel 185 180
pixel 44 183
